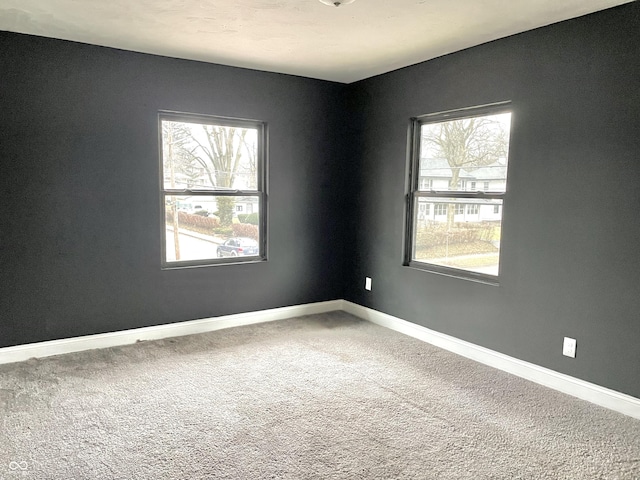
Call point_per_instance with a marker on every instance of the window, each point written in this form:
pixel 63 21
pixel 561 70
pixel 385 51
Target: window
pixel 453 147
pixel 440 209
pixel 424 210
pixel 425 183
pixel 211 168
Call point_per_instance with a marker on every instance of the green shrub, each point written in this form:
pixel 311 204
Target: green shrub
pixel 225 210
pixel 251 218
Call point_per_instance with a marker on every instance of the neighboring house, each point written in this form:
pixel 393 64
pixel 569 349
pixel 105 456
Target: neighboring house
pixel 246 205
pixel 192 204
pixel 196 204
pixel 436 174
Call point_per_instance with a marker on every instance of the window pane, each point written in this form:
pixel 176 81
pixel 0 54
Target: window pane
pixel 208 156
pixel 466 154
pixel 460 233
pixel 202 227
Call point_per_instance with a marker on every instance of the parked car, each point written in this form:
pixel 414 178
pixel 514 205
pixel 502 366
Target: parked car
pixel 238 246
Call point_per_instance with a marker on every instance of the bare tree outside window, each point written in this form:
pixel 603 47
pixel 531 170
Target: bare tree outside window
pixel 466 144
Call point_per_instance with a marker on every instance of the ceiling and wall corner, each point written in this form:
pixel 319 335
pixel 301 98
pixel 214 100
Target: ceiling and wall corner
pixel 298 37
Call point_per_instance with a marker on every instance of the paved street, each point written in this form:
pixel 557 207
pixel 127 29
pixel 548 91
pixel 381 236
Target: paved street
pixel 192 247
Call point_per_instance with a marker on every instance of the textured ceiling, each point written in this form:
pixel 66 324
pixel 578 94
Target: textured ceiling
pixel 300 37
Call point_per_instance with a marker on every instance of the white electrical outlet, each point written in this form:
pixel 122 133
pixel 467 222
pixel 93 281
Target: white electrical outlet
pixel 569 347
pixel 367 283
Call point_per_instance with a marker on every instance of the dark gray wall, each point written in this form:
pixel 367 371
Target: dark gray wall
pixel 80 209
pixel 570 245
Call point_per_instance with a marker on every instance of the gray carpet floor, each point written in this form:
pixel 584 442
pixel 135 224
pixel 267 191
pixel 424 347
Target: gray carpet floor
pixel 325 396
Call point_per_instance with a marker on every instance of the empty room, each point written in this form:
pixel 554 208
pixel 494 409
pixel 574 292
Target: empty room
pixel 306 239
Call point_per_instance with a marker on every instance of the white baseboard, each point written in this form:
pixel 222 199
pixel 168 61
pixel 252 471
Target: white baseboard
pixel 591 392
pixel 20 353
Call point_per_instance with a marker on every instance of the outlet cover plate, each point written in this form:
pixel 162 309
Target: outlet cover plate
pixel 569 347
pixel 367 283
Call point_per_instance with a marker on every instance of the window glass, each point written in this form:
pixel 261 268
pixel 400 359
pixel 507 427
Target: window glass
pixel 471 244
pixel 212 157
pixel 471 150
pixel 212 173
pixel 463 157
pixel 195 234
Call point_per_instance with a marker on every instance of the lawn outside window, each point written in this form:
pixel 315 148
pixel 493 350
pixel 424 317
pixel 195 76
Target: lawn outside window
pixel 213 190
pixel 454 227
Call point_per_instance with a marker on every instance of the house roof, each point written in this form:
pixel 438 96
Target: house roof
pixel 439 168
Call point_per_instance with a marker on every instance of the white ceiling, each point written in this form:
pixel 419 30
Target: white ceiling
pixel 300 37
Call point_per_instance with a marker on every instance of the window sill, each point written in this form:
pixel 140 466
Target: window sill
pixel 455 273
pixel 219 263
